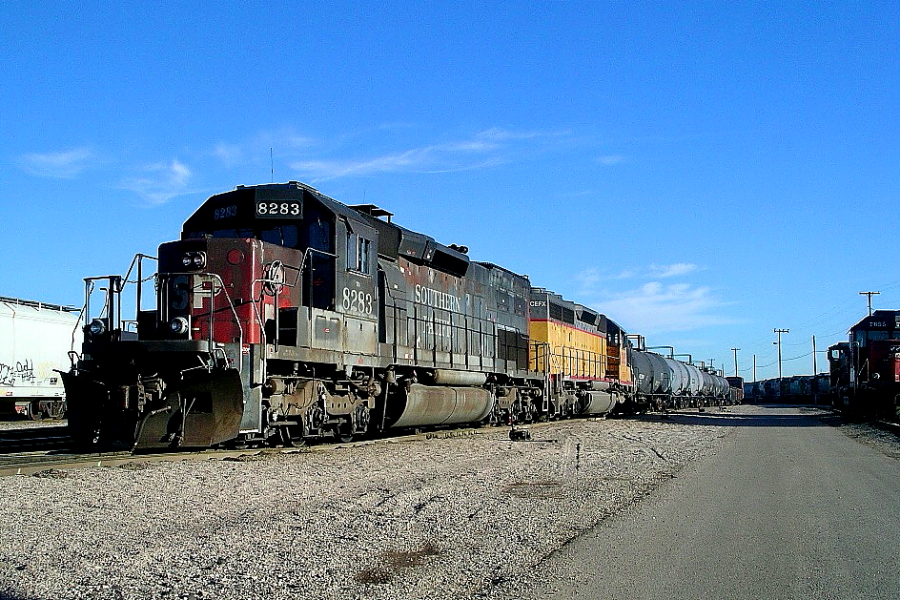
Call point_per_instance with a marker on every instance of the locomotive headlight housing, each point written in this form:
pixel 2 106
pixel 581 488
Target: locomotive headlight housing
pixel 96 328
pixel 194 260
pixel 179 326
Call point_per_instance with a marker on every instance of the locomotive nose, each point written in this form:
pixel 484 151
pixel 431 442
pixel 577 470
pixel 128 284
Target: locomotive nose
pixel 200 414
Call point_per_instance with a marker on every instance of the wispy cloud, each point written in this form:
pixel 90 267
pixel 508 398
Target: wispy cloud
pixel 256 148
pixel 485 149
pixel 160 182
pixel 229 154
pixel 62 165
pixel 496 134
pixel 282 139
pixel 431 159
pixel 652 306
pixel 611 159
pixel 673 270
pixel 657 308
pixel 327 169
pixel 591 278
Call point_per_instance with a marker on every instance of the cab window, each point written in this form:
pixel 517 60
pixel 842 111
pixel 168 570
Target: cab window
pixel 358 251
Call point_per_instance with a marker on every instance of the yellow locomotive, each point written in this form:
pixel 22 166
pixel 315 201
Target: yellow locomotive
pixel 580 351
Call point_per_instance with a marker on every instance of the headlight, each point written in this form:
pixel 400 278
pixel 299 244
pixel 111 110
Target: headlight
pixel 194 260
pixel 97 327
pixel 179 325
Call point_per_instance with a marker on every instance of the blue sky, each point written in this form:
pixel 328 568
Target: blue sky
pixel 702 172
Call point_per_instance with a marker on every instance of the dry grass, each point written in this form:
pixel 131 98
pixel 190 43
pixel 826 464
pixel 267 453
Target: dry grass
pixel 51 474
pixel 535 489
pixel 394 561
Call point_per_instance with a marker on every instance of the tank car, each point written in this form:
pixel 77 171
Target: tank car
pixel 662 382
pixel 35 339
pixel 282 315
pixel 865 371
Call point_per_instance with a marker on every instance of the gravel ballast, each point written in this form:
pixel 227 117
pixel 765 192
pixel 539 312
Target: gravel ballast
pixel 446 517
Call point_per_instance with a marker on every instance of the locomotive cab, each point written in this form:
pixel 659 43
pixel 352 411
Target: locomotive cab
pixel 301 271
pixel 263 280
pixel 865 371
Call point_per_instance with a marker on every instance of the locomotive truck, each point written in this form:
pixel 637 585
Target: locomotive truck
pixel 282 315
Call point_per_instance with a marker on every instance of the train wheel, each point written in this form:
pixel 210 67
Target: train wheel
pixel 299 433
pixel 362 417
pixel 344 433
pixel 279 437
pixel 292 437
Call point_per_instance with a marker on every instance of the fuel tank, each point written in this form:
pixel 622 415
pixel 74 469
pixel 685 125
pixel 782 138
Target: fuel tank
pixel 427 405
pixel 597 402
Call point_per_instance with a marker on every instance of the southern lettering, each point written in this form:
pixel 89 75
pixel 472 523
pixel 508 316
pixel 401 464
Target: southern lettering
pixel 437 299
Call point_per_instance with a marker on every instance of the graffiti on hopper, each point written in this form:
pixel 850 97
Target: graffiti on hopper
pixel 19 373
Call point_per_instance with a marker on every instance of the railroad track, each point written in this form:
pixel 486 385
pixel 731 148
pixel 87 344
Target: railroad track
pixel 20 458
pixel 29 451
pixel 34 439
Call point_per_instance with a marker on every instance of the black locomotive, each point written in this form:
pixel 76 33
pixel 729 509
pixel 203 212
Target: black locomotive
pixel 865 371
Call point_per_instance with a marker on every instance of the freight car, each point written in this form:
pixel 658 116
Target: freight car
pixel 283 315
pixel 736 392
pixel 865 371
pixel 663 383
pixel 35 339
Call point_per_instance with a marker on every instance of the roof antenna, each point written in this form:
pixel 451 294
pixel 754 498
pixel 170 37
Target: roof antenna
pixel 272 161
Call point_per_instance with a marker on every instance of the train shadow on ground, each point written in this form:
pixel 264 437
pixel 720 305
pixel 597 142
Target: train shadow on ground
pixel 807 416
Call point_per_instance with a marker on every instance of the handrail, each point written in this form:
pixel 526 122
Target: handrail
pixel 275 293
pixel 212 297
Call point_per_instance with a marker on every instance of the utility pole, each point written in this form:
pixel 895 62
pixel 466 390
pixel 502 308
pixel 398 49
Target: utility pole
pixel 815 363
pixel 815 379
pixel 735 350
pixel 778 343
pixel 754 368
pixel 869 294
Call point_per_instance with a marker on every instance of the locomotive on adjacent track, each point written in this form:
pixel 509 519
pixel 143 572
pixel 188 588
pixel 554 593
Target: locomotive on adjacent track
pixel 797 389
pixel 283 315
pixel 865 371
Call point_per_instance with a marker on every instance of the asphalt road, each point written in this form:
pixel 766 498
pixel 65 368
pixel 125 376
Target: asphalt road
pixel 789 507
